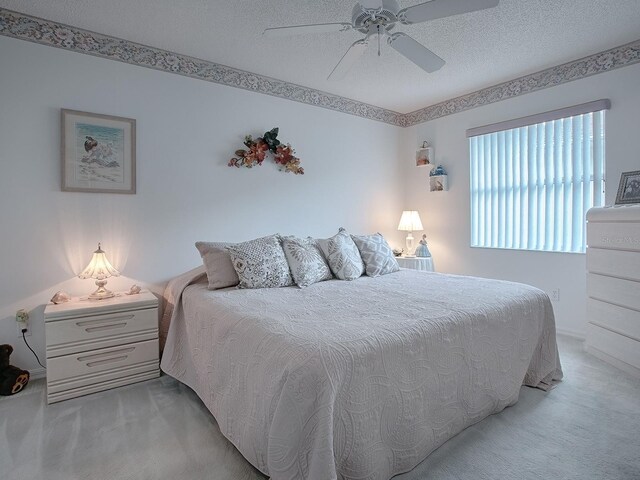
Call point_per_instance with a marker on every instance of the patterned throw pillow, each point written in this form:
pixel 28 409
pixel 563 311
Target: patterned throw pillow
pixel 217 263
pixel 260 263
pixel 376 254
pixel 343 256
pixel 306 262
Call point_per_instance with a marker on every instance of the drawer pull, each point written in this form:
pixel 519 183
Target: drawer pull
pixel 99 356
pixel 107 360
pixel 105 327
pixel 103 320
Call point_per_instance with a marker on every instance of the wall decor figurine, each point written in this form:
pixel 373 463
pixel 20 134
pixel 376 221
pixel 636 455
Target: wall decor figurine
pixel 98 153
pixel 259 148
pixel 424 155
pixel 438 179
pixel 629 188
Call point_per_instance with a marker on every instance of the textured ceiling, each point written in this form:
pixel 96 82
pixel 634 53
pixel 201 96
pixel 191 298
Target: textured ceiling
pixel 481 48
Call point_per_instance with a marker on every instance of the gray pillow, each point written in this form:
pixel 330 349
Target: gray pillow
pixel 342 255
pixel 376 254
pixel 217 263
pixel 260 263
pixel 305 260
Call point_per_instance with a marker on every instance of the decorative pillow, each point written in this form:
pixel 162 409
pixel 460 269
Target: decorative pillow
pixel 342 255
pixel 260 263
pixel 376 254
pixel 217 263
pixel 305 260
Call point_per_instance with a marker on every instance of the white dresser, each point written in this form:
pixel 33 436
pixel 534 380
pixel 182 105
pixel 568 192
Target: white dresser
pixel 613 285
pixel 98 345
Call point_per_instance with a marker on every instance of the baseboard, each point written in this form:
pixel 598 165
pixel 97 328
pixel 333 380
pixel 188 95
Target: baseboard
pixel 36 373
pixel 571 333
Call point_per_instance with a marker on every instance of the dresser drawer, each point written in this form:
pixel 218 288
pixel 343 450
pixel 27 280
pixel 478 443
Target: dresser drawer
pixel 614 263
pixel 88 366
pixel 619 347
pixel 87 333
pixel 614 290
pixel 612 317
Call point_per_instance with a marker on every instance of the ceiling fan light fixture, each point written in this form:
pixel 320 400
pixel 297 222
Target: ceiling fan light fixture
pixel 386 16
pixel 379 17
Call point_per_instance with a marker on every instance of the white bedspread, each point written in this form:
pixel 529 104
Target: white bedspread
pixel 357 379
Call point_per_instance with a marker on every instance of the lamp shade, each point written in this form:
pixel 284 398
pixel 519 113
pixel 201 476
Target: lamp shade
pixel 410 221
pixel 99 268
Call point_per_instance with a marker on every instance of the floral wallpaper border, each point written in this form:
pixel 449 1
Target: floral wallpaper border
pixel 585 67
pixel 45 32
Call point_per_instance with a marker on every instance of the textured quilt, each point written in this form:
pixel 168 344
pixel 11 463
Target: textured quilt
pixel 361 379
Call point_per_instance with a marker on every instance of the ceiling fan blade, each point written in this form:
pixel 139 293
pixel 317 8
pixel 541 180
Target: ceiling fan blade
pixel 349 59
pixel 304 29
pixel 442 8
pixel 416 52
pixel 371 4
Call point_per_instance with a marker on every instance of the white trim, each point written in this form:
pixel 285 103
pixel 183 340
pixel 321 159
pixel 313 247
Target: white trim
pixel 572 333
pixel 36 373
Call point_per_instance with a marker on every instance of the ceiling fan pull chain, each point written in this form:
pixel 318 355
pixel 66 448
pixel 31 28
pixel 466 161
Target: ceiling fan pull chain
pixel 378 40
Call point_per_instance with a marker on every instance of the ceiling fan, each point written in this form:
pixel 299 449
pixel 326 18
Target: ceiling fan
pixel 376 19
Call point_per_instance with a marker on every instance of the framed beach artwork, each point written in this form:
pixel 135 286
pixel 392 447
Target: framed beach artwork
pixel 98 153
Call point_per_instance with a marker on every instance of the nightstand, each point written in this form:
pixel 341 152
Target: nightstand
pixel 95 345
pixel 417 263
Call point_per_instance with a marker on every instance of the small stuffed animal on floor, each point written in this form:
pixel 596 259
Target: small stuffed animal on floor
pixel 12 379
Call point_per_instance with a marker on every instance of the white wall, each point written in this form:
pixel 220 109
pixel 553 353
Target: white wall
pixel 445 215
pixel 187 130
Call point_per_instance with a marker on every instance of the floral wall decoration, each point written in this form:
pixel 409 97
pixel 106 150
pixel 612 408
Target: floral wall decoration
pixel 259 148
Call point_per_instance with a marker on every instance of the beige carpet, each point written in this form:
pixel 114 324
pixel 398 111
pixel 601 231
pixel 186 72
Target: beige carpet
pixel 588 427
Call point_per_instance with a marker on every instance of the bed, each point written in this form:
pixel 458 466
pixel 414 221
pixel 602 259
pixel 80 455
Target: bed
pixel 361 379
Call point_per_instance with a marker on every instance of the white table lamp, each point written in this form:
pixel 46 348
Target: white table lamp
pixel 100 269
pixel 410 222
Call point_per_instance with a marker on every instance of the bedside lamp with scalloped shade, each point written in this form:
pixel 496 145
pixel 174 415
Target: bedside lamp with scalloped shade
pixel 100 269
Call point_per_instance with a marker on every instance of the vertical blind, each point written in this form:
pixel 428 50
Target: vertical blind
pixel 532 186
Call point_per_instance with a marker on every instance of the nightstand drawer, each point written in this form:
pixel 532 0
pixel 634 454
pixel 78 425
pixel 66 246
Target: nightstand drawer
pixel 92 367
pixel 82 334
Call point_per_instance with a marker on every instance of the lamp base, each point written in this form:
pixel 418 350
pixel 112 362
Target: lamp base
pixel 101 293
pixel 409 241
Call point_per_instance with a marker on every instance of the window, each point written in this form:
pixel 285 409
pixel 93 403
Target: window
pixel 533 179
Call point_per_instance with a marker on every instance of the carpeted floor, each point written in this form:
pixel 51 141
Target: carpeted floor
pixel 588 427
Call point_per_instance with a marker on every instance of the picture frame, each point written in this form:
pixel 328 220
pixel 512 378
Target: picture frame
pixel 98 153
pixel 629 188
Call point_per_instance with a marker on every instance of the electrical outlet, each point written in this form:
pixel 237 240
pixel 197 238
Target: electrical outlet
pixel 22 321
pixel 555 295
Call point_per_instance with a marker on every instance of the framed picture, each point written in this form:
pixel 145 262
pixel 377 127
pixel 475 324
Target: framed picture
pixel 629 189
pixel 98 153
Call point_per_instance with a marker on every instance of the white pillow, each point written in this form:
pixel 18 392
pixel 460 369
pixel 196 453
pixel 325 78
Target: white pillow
pixel 305 260
pixel 217 263
pixel 260 263
pixel 376 254
pixel 342 255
